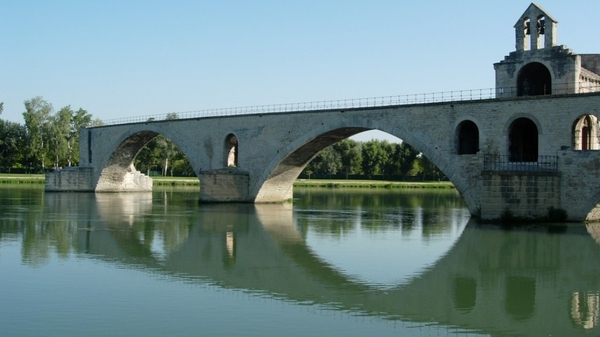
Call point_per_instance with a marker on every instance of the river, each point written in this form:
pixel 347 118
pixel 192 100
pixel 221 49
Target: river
pixel 335 262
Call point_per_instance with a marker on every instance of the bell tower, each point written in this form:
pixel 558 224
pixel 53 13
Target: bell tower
pixel 535 29
pixel 539 66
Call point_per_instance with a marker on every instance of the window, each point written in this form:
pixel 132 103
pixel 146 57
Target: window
pixel 231 151
pixel 468 138
pixel 523 141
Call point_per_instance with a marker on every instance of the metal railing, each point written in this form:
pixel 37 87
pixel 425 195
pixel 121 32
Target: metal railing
pixel 436 97
pixel 520 163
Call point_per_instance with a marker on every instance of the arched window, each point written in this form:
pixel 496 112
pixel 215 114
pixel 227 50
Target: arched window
pixel 523 141
pixel 526 33
pixel 534 79
pixel 541 30
pixel 585 133
pixel 468 138
pixel 231 151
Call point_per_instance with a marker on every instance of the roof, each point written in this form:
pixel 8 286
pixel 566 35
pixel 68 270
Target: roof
pixel 534 10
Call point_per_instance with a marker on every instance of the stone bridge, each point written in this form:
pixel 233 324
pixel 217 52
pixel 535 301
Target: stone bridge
pixel 530 150
pixel 521 153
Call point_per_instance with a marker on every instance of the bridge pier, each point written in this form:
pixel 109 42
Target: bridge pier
pixel 520 194
pixel 82 179
pixel 224 185
pixel 71 179
pixel 116 179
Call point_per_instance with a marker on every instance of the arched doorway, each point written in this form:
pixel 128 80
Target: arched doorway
pixel 523 141
pixel 585 133
pixel 534 79
pixel 468 138
pixel 231 151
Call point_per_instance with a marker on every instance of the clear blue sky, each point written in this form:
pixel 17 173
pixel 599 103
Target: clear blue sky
pixel 132 58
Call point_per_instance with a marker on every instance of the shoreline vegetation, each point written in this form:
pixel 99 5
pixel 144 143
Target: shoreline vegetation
pixel 8 178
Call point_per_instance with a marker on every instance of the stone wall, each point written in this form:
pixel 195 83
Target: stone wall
pixel 131 180
pixel 563 64
pixel 273 148
pixel 591 62
pixel 525 194
pixel 224 185
pixel 72 179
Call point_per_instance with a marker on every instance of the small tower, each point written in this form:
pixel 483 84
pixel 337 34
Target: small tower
pixel 534 26
pixel 540 66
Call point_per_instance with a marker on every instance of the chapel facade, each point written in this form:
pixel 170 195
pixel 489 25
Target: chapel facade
pixel 539 66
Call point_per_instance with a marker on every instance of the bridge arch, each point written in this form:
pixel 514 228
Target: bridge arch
pixel 534 79
pixel 118 172
pixel 277 178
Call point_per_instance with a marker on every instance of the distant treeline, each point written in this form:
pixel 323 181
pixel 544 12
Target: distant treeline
pixel 375 159
pixel 50 140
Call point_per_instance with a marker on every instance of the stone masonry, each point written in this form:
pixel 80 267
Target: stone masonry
pixel 274 148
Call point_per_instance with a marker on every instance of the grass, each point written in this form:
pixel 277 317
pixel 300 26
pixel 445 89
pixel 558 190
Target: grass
pixel 9 178
pixel 6 178
pixel 175 181
pixel 333 183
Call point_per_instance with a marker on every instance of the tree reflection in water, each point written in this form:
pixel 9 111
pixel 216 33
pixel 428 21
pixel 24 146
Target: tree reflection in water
pixel 527 281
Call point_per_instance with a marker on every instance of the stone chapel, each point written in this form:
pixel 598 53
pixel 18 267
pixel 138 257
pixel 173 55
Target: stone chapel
pixel 539 66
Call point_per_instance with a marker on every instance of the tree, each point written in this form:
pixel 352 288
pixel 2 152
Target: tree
pixel 13 138
pixel 406 156
pixel 374 157
pixel 145 158
pixel 350 156
pixel 166 148
pixel 326 162
pixel 37 115
pixel 58 139
pixel 428 169
pixel 79 120
pixel 181 164
pixel 1 107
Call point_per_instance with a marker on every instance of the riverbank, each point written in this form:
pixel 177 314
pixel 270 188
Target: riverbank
pixel 335 183
pixel 6 178
pixel 21 178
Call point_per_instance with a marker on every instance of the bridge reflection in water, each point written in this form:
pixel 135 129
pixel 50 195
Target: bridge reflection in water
pixel 534 281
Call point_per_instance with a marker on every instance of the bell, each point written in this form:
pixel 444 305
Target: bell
pixel 541 25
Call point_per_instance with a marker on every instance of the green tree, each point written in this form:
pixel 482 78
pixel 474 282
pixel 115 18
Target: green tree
pixel 60 128
pixel 327 161
pixel 406 156
pixel 79 120
pixel 145 158
pixel 13 138
pixel 180 163
pixel 428 169
pixel 350 156
pixel 166 148
pixel 374 156
pixel 37 121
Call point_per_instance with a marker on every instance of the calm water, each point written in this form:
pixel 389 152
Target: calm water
pixel 335 263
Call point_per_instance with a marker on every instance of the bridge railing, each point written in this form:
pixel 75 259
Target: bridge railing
pixel 436 97
pixel 511 163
